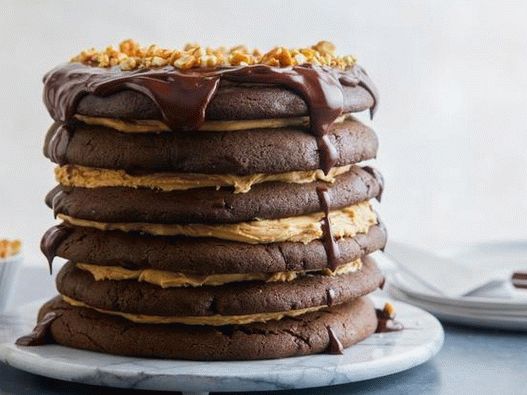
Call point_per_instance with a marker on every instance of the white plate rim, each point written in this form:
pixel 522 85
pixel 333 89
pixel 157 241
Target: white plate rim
pixel 465 318
pixel 469 301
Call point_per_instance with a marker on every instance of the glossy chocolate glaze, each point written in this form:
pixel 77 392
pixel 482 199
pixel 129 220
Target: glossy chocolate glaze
pixel 330 296
pixel 331 247
pixel 183 96
pixel 40 334
pixel 378 176
pixel 51 241
pixel 335 346
pixel 58 145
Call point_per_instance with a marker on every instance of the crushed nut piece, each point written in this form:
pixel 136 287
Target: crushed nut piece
pixel 185 62
pixel 158 61
pixel 131 56
pixel 389 310
pixel 9 248
pixel 240 58
pixel 208 61
pixel 324 48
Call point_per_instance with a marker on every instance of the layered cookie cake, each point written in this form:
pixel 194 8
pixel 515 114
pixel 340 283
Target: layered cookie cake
pixel 211 201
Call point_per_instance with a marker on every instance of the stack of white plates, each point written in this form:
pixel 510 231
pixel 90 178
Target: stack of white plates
pixel 435 283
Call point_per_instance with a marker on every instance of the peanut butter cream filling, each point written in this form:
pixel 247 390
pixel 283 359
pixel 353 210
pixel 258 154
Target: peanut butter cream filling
pixel 152 125
pixel 346 222
pixel 213 320
pixel 165 279
pixel 91 177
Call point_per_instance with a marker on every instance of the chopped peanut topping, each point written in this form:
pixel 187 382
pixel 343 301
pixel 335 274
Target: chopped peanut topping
pixel 389 310
pixel 9 248
pixel 131 56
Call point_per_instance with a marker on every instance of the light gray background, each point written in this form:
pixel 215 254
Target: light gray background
pixel 452 75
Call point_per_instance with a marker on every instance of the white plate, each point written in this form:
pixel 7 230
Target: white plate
pixel 379 355
pixel 464 317
pixel 513 307
pixel 490 312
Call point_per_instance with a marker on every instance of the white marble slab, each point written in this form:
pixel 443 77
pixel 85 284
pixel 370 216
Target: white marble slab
pixel 379 355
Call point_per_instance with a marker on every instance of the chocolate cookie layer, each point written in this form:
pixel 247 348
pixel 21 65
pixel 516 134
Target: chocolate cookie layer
pixel 200 256
pixel 241 152
pixel 308 334
pixel 207 205
pixel 233 299
pixel 232 102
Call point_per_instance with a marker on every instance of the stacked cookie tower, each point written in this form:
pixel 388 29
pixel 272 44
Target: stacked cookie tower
pixel 212 204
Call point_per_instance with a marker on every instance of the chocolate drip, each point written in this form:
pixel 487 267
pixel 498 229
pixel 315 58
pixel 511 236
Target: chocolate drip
pixel 380 180
pixel 183 96
pixel 332 248
pixel 357 76
pixel 335 346
pixel 182 101
pixel 320 88
pixel 330 296
pixel 58 145
pixel 387 323
pixel 40 334
pixel 56 201
pixel 51 241
pixel 327 152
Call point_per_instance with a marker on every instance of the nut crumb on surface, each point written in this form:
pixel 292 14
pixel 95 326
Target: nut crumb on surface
pixel 9 247
pixel 389 310
pixel 130 56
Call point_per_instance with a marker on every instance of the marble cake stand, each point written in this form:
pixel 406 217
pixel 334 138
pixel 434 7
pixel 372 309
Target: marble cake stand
pixel 379 355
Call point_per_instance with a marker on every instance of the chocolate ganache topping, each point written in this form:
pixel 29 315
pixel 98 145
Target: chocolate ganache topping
pixel 58 144
pixel 40 334
pixel 182 96
pixel 330 245
pixel 52 240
